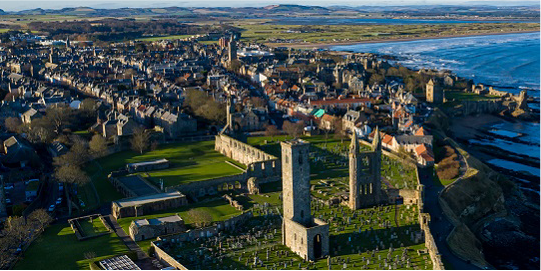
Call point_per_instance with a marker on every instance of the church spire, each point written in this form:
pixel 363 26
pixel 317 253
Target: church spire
pixel 354 146
pixel 376 142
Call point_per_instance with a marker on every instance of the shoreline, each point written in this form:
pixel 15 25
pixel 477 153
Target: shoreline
pixel 327 45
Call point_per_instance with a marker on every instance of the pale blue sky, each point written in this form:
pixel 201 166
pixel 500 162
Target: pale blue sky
pixel 9 5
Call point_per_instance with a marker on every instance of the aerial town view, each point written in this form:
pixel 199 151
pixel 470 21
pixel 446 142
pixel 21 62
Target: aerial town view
pixel 273 134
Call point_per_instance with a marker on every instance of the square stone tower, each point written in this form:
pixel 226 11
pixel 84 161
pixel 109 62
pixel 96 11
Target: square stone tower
pixel 434 92
pixel 303 234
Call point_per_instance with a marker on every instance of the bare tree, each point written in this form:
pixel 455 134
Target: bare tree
pixel 139 140
pixel 98 146
pixel 339 131
pixel 258 102
pixel 78 155
pixel 41 217
pixel 293 129
pixel 70 175
pixel 58 117
pixel 271 131
pixel 13 124
pixel 200 218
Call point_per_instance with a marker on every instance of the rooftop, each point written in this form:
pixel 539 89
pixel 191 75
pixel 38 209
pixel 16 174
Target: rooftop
pixel 147 199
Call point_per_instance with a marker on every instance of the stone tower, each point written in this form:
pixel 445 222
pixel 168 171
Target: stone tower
pixel 365 184
pixel 230 110
pixel 232 49
pixel 434 92
pixel 303 234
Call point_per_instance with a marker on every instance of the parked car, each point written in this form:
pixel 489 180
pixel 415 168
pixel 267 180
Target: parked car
pixel 8 201
pixel 82 203
pixel 8 186
pixel 58 201
pixel 51 208
pixel 60 187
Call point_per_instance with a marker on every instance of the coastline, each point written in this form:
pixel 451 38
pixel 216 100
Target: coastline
pixel 327 45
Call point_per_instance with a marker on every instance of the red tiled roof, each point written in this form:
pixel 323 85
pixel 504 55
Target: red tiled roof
pixel 339 101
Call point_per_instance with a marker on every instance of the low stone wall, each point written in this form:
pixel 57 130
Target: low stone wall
pixel 163 257
pixel 79 233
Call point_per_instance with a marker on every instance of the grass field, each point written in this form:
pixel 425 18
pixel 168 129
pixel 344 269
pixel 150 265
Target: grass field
pixel 349 33
pixel 190 162
pixel 467 96
pixel 58 248
pixel 93 227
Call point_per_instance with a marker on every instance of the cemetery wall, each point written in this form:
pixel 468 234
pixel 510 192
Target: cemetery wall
pixel 164 257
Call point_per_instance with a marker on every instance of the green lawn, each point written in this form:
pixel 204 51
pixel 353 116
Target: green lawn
pixel 58 248
pixel 92 228
pixel 190 161
pixel 467 96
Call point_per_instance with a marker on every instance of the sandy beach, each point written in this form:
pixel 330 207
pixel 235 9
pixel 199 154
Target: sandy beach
pixel 327 45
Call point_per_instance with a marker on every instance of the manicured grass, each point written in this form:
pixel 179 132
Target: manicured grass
pixel 58 248
pixel 4 30
pixel 190 161
pixel 467 96
pixel 92 228
pixel 350 33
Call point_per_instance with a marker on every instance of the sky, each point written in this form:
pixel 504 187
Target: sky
pixel 9 5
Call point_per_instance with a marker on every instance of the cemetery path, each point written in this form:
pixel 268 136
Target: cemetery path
pixel 439 225
pixel 144 261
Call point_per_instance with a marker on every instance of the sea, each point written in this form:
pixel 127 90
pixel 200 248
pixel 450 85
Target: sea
pixel 508 62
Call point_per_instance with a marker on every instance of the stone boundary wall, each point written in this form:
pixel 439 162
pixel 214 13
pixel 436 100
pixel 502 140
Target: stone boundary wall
pixel 163 257
pixel 194 234
pixel 76 227
pixel 424 220
pixel 240 151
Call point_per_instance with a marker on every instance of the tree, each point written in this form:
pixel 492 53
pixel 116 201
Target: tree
pixel 78 155
pixel 41 218
pixel 13 124
pixel 139 140
pixel 98 146
pixel 339 131
pixel 69 175
pixel 200 218
pixel 293 129
pixel 58 117
pixel 258 102
pixel 271 131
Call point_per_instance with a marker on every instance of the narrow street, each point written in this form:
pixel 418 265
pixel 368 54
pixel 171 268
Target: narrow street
pixel 439 225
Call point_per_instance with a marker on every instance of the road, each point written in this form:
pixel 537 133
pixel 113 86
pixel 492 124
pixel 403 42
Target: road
pixel 439 225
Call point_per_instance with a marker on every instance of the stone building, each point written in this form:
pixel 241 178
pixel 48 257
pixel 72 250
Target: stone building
pixel 143 229
pixel 365 185
pixel 303 234
pixel 149 204
pixel 434 92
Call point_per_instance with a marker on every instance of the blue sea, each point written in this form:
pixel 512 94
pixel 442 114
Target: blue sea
pixel 376 21
pixel 510 62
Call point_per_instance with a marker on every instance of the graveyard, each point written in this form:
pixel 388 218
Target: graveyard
pixel 329 161
pixel 383 237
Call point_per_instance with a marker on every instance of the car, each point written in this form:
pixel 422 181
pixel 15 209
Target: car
pixel 60 187
pixel 51 208
pixel 82 203
pixel 8 186
pixel 8 201
pixel 58 201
